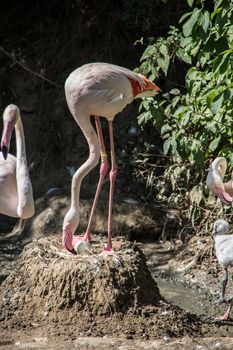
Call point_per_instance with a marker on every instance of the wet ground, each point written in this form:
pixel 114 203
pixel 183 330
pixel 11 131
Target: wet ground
pixel 172 287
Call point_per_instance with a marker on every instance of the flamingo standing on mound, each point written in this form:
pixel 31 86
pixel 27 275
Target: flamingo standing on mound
pixel 215 182
pixel 98 89
pixel 16 197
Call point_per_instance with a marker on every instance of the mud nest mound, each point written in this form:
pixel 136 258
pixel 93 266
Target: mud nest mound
pixel 90 294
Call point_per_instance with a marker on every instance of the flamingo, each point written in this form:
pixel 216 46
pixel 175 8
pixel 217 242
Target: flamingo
pixel 15 185
pixel 98 89
pixel 224 252
pixel 215 183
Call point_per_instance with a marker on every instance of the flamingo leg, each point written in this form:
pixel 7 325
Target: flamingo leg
pixel 103 171
pixel 227 313
pixel 224 284
pixel 112 176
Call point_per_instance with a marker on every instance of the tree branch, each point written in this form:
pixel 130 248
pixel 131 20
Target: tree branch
pixel 22 65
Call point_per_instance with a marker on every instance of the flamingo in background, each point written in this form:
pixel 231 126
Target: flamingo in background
pixel 224 252
pixel 98 89
pixel 16 197
pixel 215 183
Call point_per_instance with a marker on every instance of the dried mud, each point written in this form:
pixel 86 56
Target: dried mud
pixel 91 295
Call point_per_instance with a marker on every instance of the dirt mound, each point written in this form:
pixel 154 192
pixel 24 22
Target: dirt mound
pixel 89 294
pixel 47 278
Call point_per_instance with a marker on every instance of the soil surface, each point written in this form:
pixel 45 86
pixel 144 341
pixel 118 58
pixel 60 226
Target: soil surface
pixel 53 300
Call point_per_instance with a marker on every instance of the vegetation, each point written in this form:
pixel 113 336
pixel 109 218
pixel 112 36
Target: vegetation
pixel 194 118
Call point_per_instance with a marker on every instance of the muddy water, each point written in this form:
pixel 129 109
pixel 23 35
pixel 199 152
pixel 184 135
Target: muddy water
pixel 185 297
pixel 188 297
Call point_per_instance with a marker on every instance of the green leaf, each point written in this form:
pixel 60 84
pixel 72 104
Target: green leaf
pixel 184 56
pixel 166 146
pixel 190 2
pixel 165 128
pixel 174 92
pixel 217 103
pixel 188 26
pixel 205 21
pixel 164 63
pixel 174 146
pixel 163 50
pixel 214 144
pixel 184 16
pixel 217 10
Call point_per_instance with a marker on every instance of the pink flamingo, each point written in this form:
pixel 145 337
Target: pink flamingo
pixel 215 183
pixel 15 185
pixel 98 89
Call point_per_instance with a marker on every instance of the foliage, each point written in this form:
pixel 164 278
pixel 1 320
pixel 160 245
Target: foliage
pixel 195 120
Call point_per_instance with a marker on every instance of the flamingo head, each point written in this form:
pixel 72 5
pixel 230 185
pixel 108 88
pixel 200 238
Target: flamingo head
pixel 215 177
pixel 148 88
pixel 70 224
pixel 67 238
pixel 10 118
pixel 220 227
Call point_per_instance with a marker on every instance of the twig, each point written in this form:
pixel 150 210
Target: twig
pixel 28 69
pixel 172 82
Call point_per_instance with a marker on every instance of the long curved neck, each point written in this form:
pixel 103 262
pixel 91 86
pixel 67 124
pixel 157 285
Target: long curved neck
pixel 91 162
pixel 25 197
pixel 20 144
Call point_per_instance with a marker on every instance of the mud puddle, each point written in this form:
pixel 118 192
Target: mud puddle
pixel 188 297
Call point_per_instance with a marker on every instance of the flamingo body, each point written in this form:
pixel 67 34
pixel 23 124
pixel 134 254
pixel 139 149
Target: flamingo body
pixel 101 90
pixel 224 252
pixel 15 185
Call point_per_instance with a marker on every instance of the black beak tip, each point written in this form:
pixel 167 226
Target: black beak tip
pixel 4 152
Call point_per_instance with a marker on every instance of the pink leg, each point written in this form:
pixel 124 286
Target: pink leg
pixel 112 176
pixel 103 171
pixel 81 244
pixel 227 313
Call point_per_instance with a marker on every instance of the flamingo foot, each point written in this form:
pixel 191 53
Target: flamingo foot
pixel 226 315
pixel 107 251
pixel 221 318
pixel 81 246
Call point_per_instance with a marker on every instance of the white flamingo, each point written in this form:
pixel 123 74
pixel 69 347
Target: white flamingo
pixel 16 197
pixel 224 252
pixel 215 182
pixel 98 89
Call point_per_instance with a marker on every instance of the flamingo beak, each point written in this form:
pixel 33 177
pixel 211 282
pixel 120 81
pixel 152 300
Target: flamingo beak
pixel 150 85
pixel 224 196
pixel 6 137
pixel 4 152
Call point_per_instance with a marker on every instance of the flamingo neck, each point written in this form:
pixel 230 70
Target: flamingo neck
pixel 71 219
pixel 20 143
pixel 91 162
pixel 25 204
